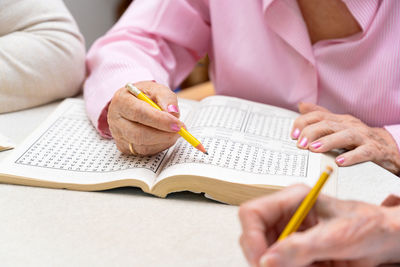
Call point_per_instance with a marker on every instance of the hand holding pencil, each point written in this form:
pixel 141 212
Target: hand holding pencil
pixel 145 121
pixel 182 132
pixel 334 233
pixel 139 128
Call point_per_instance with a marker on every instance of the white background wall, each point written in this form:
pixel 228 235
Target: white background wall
pixel 94 17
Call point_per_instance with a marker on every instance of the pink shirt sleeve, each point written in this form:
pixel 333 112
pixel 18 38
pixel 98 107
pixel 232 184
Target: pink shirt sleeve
pixel 147 43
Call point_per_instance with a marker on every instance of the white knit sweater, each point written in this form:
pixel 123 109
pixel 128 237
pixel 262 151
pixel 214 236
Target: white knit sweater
pixel 41 53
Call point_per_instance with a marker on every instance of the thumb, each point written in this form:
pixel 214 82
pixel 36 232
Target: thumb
pixel 309 107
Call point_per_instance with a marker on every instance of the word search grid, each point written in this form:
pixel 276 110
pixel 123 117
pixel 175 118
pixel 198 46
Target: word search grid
pixel 72 144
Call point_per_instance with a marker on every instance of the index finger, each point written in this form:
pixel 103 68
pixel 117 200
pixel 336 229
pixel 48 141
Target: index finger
pixel 136 110
pixel 263 219
pixel 271 208
pixel 162 95
pixel 309 118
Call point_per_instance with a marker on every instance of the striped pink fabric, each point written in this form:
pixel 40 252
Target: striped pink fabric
pixel 260 50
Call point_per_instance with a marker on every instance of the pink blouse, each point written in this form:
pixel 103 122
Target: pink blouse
pixel 259 50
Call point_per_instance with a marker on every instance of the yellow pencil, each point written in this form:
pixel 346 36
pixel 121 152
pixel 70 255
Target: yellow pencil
pixel 306 205
pixel 182 132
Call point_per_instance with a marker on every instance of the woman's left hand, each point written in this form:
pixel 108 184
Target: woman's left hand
pixel 319 130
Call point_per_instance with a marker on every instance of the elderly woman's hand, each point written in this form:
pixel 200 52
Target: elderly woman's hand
pixel 335 232
pixel 133 121
pixel 320 131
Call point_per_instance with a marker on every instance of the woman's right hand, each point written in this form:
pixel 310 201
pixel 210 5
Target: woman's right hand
pixel 133 121
pixel 334 233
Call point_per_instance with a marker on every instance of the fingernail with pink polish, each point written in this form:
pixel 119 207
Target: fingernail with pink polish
pixel 340 160
pixel 303 142
pixel 296 133
pixel 175 127
pixel 173 108
pixel 316 145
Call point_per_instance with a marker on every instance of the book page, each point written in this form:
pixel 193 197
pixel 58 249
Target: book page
pixel 247 143
pixel 67 149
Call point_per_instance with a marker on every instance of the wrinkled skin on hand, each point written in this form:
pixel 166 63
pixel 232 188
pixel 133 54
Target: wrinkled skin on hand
pixel 134 121
pixel 335 232
pixel 319 130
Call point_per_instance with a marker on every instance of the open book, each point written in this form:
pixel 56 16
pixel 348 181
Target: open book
pixel 249 146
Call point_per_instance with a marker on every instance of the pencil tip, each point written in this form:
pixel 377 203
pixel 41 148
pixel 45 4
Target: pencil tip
pixel 201 148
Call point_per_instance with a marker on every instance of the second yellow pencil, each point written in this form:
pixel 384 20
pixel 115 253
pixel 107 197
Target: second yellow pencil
pixel 306 205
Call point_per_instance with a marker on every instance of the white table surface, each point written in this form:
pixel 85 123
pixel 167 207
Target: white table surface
pixel 125 227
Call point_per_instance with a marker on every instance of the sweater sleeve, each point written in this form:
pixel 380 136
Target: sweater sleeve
pixel 154 40
pixel 42 53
